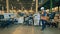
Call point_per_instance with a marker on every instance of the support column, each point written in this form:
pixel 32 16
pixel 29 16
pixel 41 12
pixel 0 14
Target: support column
pixel 50 5
pixel 31 8
pixel 22 7
pixel 2 8
pixel 7 5
pixel 12 7
pixel 36 6
pixel 58 6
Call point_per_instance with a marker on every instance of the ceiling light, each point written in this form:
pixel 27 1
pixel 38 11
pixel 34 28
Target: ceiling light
pixel 33 0
pixel 18 0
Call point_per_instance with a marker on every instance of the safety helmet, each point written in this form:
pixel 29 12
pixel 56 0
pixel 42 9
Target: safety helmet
pixel 42 8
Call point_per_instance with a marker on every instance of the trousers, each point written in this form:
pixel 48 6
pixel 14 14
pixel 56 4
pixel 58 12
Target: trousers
pixel 43 24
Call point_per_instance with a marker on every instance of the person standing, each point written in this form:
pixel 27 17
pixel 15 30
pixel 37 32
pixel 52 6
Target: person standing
pixel 43 18
pixel 36 18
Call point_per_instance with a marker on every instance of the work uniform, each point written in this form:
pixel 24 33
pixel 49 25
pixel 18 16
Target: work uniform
pixel 44 20
pixel 36 18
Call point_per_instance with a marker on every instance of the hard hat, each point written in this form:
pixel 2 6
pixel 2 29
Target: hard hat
pixel 42 8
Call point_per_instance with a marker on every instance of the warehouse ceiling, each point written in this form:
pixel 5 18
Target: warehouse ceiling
pixel 18 4
pixel 23 4
pixel 3 3
pixel 47 4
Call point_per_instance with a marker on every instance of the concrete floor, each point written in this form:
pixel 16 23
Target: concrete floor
pixel 20 29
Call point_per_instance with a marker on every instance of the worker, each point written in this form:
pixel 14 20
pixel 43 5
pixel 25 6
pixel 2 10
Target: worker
pixel 43 18
pixel 36 18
